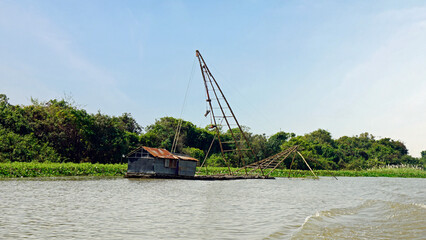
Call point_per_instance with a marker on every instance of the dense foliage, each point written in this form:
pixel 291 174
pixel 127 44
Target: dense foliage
pixel 358 152
pixel 58 131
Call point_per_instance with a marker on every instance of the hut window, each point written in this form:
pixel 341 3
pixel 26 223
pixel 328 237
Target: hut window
pixel 170 163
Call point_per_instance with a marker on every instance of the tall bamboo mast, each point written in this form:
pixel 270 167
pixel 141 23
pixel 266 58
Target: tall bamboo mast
pixel 212 86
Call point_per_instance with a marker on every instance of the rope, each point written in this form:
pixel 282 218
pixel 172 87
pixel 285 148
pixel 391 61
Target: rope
pixel 179 126
pixel 208 151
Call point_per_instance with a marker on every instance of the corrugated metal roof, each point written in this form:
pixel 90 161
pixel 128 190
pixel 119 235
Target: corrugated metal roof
pixel 160 153
pixel 186 158
pixel 163 153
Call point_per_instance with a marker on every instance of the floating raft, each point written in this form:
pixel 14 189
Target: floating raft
pixel 220 177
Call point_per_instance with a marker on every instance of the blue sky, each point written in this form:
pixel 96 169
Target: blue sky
pixel 345 66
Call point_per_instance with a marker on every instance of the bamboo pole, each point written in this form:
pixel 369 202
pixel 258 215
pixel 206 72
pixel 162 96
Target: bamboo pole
pixel 308 165
pixel 291 164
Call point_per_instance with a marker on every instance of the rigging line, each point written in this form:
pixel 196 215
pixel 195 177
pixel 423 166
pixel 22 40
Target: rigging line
pixel 208 151
pixel 179 126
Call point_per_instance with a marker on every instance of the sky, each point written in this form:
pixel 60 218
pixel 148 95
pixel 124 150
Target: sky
pixel 348 67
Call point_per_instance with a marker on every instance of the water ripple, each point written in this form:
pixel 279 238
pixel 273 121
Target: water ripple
pixel 350 208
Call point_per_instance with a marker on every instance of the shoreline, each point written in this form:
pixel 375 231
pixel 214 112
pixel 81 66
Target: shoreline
pixel 26 170
pixel 377 172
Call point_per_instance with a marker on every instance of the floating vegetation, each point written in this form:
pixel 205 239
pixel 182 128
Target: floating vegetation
pixel 403 172
pixel 36 169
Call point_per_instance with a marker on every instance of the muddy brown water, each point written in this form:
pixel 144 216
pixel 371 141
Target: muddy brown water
pixel 348 208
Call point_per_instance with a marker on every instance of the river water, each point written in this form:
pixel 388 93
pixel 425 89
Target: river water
pixel 348 208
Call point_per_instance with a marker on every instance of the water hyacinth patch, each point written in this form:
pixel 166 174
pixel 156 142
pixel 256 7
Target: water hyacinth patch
pixel 36 169
pixel 47 169
pixel 407 172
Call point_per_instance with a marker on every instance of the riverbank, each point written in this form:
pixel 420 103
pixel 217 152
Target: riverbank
pixel 34 169
pixel 377 172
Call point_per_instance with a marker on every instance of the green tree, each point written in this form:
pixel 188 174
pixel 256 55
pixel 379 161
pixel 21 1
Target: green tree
pixel 57 130
pixel 12 117
pixel 195 153
pixel 162 132
pixel 72 133
pixel 274 142
pixel 24 148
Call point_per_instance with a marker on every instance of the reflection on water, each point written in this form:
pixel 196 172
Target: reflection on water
pixel 350 208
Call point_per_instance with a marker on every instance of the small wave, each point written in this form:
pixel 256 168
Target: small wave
pixel 317 214
pixel 419 205
pixel 373 219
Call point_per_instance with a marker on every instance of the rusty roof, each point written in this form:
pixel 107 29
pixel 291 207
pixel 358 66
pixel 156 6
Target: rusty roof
pixel 188 158
pixel 163 153
pixel 160 153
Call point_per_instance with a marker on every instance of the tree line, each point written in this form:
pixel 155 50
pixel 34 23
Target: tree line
pixel 59 131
